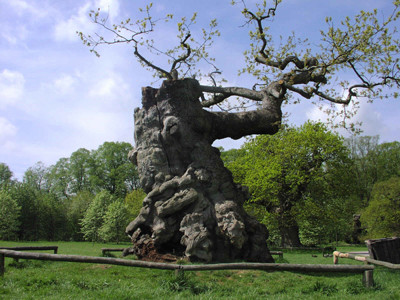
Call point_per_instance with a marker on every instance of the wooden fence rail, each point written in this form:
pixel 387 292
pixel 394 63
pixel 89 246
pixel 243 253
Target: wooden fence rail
pixel 35 248
pixel 366 270
pixel 364 259
pixel 104 251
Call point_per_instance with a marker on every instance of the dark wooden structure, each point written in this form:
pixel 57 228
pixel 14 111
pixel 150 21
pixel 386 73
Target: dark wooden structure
pixel 105 251
pixel 386 249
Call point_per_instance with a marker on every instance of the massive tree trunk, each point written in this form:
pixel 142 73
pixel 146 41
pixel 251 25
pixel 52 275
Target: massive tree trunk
pixel 290 235
pixel 193 208
pixel 287 224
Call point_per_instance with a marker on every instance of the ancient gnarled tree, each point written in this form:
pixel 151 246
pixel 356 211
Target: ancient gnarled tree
pixel 192 207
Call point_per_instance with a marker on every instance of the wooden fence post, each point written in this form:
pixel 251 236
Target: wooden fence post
pixel 2 264
pixel 368 279
pixel 179 273
pixel 335 257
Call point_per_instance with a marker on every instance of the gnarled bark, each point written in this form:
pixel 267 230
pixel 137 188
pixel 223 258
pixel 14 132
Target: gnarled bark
pixel 193 208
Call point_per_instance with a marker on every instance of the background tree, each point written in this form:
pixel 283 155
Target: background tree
pixel 9 217
pixel 373 162
pixel 52 217
pixel 36 177
pixel 134 202
pixel 296 175
pixel 386 158
pixel 58 178
pixel 382 215
pixel 94 216
pixel 5 175
pixel 115 221
pixel 80 163
pixel 365 164
pixel 76 208
pixel 29 214
pixel 112 169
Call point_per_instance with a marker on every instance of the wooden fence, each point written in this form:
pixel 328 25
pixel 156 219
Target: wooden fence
pixel 364 259
pixel 366 270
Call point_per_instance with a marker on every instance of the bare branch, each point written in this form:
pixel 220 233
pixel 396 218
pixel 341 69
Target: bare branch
pixel 260 28
pixel 310 63
pixel 301 92
pixel 352 90
pixel 149 64
pixel 186 55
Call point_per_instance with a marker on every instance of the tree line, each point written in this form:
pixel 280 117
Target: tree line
pixel 307 184
pixel 91 195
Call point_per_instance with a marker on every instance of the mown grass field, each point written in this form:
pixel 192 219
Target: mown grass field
pixel 63 280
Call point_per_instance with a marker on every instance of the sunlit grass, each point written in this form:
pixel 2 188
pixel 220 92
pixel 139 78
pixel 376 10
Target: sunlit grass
pixel 29 279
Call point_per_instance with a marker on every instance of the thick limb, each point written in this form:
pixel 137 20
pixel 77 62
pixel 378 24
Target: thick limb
pixel 265 120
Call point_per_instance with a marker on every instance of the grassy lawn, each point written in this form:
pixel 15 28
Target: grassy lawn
pixel 63 280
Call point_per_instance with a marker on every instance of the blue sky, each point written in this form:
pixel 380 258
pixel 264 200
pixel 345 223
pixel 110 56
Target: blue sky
pixel 57 97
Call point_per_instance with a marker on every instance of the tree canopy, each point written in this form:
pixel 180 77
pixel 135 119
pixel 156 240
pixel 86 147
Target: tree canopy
pixel 382 215
pixel 296 174
pixel 355 58
pixel 373 163
pixel 5 174
pixel 9 216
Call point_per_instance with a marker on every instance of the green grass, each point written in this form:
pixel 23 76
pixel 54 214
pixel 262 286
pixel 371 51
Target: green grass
pixel 31 279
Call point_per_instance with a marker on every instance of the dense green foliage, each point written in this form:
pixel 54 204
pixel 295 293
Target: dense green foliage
pixel 373 162
pixel 299 176
pixel 382 215
pixel 377 170
pixel 114 222
pixel 5 175
pixel 9 217
pixel 73 199
pixel 94 216
pixel 306 184
pixel 133 202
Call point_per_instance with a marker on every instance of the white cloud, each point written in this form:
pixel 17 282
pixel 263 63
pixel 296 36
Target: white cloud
pixel 92 128
pixel 14 34
pixel 22 6
pixel 317 113
pixel 81 22
pixel 11 87
pixel 25 16
pixel 66 30
pixel 64 84
pixel 109 6
pixel 112 87
pixel 105 87
pixel 7 131
pixel 372 123
pixel 370 119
